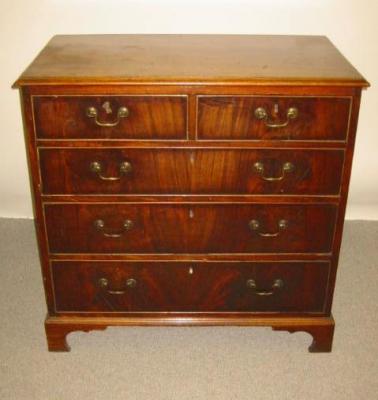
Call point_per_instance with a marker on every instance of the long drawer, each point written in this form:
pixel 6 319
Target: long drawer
pixel 189 228
pixel 181 286
pixel 190 171
pixel 110 117
pixel 272 118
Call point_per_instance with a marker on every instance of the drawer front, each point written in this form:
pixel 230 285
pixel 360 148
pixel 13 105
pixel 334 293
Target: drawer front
pixel 189 228
pixel 272 118
pixel 179 171
pixel 180 286
pixel 110 117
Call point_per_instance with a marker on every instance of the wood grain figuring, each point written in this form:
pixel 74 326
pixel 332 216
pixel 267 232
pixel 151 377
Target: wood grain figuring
pixel 281 60
pixel 233 118
pixel 189 287
pixel 191 233
pixel 150 117
pixel 189 228
pixel 191 171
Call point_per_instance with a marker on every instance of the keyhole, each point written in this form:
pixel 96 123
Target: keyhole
pixel 107 108
pixel 191 213
pixel 192 158
pixel 190 271
pixel 275 109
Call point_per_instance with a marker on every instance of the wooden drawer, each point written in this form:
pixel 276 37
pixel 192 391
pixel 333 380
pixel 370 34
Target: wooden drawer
pixel 189 228
pixel 110 117
pixel 179 171
pixel 181 286
pixel 272 118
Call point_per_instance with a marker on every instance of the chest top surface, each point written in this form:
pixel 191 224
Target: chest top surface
pixel 249 59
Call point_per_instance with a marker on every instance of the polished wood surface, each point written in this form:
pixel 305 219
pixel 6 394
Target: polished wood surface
pixel 191 190
pixel 320 328
pixel 149 117
pixel 165 286
pixel 232 118
pixel 172 228
pixel 196 171
pixel 281 60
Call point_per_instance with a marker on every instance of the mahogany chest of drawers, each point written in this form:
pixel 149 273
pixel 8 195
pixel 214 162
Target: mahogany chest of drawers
pixel 189 179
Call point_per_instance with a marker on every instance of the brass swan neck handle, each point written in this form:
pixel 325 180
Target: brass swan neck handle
pixel 254 225
pixel 125 168
pixel 262 114
pixel 277 285
pixel 123 112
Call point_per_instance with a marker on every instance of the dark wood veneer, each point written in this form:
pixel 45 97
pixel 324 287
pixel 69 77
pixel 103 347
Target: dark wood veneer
pixel 233 118
pixel 196 171
pixel 196 286
pixel 189 228
pixel 192 138
pixel 149 117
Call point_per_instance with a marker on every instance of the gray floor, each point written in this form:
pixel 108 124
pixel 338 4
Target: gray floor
pixel 188 363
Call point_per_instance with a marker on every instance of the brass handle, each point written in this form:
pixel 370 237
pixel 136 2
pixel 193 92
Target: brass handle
pixel 254 225
pixel 277 284
pixel 261 114
pixel 124 168
pixel 286 167
pixel 100 226
pixel 103 283
pixel 122 112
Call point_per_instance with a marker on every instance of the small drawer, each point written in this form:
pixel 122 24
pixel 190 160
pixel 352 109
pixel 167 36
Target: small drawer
pixel 181 286
pixel 110 117
pixel 190 228
pixel 272 118
pixel 180 171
